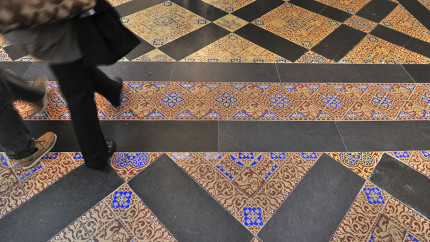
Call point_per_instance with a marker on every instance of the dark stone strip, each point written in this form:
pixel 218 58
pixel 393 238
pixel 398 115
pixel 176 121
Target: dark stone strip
pixel 377 10
pixel 314 210
pixel 183 206
pixel 404 183
pixel 257 9
pixel 14 52
pixel 291 136
pixel 419 11
pixel 143 48
pixel 391 35
pixel 419 72
pixel 57 206
pixel 385 135
pixel 419 46
pixel 337 44
pixel 322 9
pixel 194 41
pixel 201 8
pixel 272 42
pixel 147 136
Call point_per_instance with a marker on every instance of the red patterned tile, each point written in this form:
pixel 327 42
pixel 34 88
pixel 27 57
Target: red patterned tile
pixel 280 101
pixel 137 218
pixel 214 182
pixel 255 110
pixel 7 180
pixel 59 165
pixel 232 198
pixel 73 232
pixel 253 217
pixel 229 167
pixel 11 199
pixel 142 109
pixel 248 181
pixel 309 110
pixel 266 167
pixel 97 218
pixel 420 227
pixel 196 167
pixel 252 91
pixel 37 182
pixel 200 90
pixel 399 213
pixel 113 232
pixel 387 230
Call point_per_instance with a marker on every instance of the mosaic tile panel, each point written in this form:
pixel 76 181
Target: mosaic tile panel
pixel 250 185
pixel 121 200
pixel 403 21
pixel 361 24
pixel 163 23
pixel 154 56
pixel 377 216
pixel 312 57
pixel 361 163
pixel 253 101
pixel 351 6
pixel 115 3
pixel 235 49
pixel 127 165
pixel 298 25
pixel 231 22
pixel 373 50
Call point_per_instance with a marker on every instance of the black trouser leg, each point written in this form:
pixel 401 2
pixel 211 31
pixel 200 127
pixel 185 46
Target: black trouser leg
pixel 77 86
pixel 105 86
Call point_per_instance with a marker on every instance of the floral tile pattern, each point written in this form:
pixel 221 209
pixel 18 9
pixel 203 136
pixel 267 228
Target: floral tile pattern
pixel 361 163
pixel 298 25
pixel 373 50
pixel 251 186
pixel 377 216
pixel 352 6
pixel 361 24
pixel 229 5
pixel 231 22
pixel 127 165
pixel 163 23
pixel 253 101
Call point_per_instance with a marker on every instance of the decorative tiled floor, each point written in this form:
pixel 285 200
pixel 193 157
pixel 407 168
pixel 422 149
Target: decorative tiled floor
pixel 251 186
pixel 253 101
pixel 170 29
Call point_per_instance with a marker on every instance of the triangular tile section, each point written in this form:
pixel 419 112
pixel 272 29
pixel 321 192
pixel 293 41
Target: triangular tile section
pixel 66 115
pixel 156 114
pixel 297 115
pixel 127 165
pixel 187 86
pixel 212 86
pixel 127 114
pixel 288 87
pixel 269 115
pixel 351 115
pixel 40 115
pixel 426 114
pixel 213 114
pixel 100 113
pixel 409 87
pixel 135 86
pixel 241 114
pixel 404 114
pixel 161 86
pixel 362 163
pixel 386 87
pixel 378 115
pixel 313 87
pixel 338 88
pixel 324 115
pixel 264 87
pixel 238 87
pixel 184 114
pixel 362 87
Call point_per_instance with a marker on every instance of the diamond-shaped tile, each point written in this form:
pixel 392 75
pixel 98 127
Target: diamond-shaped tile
pixel 231 22
pixel 248 181
pixel 347 6
pixel 229 5
pixel 163 23
pixel 113 232
pixel 73 232
pixel 155 55
pixel 137 218
pixel 226 100
pixel 155 232
pixel 127 165
pixel 298 25
pixel 11 199
pixel 253 217
pixel 97 218
pixel 361 24
pixel 121 199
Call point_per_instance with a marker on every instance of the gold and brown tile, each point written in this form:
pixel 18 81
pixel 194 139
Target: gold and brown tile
pixel 127 165
pixel 228 5
pixel 312 57
pixel 362 163
pixel 373 50
pixel 7 179
pixel 420 227
pixel 4 57
pixel 196 167
pixel 232 198
pixel 73 232
pixel 214 182
pixel 155 232
pixel 115 3
pixel 60 166
pixel 403 21
pixel 155 55
pixel 113 232
pixel 137 218
pixel 97 218
pixel 12 198
pixel 426 3
pixel 121 200
pixel 361 24
pixel 37 182
pixel 297 25
pixel 387 230
pixel 163 23
pixel 347 6
pixel 231 22
pixel 253 217
pixel 399 213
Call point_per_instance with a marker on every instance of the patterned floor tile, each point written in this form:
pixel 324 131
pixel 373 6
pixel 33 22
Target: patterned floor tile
pixel 137 218
pixel 386 229
pixel 7 180
pixel 361 163
pixel 298 25
pixel 113 232
pixel 37 182
pixel 115 3
pixel 11 199
pixel 403 21
pixel 231 22
pixel 418 160
pixel 4 56
pixel 73 232
pixel 399 213
pixel 347 6
pixel 59 164
pixel 235 49
pixel 312 57
pixel 163 23
pixel 121 200
pixel 253 217
pixel 420 228
pixel 154 56
pixel 155 232
pixel 127 165
pixel 426 3
pixel 372 50
pixel 361 24
pixel 97 218
pixel 229 6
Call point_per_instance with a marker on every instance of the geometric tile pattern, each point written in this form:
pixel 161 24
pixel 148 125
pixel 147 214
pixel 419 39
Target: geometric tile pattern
pixel 385 220
pixel 250 185
pixel 252 101
pixel 162 23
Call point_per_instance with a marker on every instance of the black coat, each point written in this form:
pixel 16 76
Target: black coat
pixel 102 37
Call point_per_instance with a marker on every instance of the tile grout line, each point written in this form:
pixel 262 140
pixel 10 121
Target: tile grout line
pixel 277 71
pixel 408 74
pixel 338 131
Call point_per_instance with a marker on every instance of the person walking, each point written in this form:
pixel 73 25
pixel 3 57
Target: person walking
pixel 15 138
pixel 74 47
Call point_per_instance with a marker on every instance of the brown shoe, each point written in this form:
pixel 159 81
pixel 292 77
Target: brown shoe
pixel 43 144
pixel 41 83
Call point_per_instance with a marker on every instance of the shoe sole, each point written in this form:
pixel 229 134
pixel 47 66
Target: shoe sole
pixel 36 161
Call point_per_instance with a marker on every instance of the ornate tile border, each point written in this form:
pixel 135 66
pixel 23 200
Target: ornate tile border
pixel 253 101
